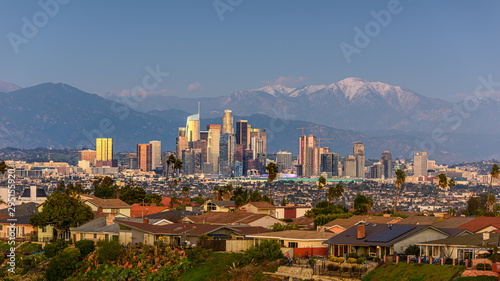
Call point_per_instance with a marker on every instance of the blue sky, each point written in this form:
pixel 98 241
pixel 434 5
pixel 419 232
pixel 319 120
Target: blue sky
pixel 436 48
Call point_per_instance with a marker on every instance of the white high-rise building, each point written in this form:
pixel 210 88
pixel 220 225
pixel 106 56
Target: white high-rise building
pixel 420 164
pixel 156 154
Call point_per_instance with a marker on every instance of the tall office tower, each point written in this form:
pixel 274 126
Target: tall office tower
pixel 238 169
pixel 386 161
pixel 243 134
pixel 350 167
pixel 182 132
pixel 377 170
pixel 193 127
pixel 238 152
pixel 202 145
pixel 259 134
pixel 144 156
pixel 213 146
pixel 227 122
pixel 191 161
pixel 330 164
pixel 156 152
pixel 87 155
pixel 227 146
pixel 104 149
pixel 204 135
pixel 420 163
pixel 307 153
pixel 248 162
pixel 359 153
pixel 257 146
pixel 284 161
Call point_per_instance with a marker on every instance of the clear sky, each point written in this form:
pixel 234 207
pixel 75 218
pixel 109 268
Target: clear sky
pixel 436 48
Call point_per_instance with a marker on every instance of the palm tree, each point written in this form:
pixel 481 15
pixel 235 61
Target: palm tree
pixel 339 191
pixel 170 161
pixel 370 203
pixel 185 192
pixel 216 196
pixel 443 184
pixel 227 191
pixel 495 173
pixel 491 202
pixel 321 183
pixel 400 179
pixel 451 184
pixel 272 173
pixel 176 166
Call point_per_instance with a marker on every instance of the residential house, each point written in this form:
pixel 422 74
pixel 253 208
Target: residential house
pixel 169 217
pixel 382 239
pixel 259 208
pixel 230 218
pixel 22 214
pixel 218 206
pixel 101 228
pixel 111 206
pixel 341 225
pixel 298 242
pixel 138 211
pixel 461 247
pixel 291 212
pixel 483 224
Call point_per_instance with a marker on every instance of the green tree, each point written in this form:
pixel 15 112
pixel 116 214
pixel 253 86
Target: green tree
pixel 321 183
pixel 335 192
pixel 473 204
pixel 400 179
pixel 105 188
pixel 62 211
pixel 227 191
pixel 170 162
pixel 62 265
pixel 153 199
pixel 362 204
pixel 284 202
pixel 443 184
pixel 132 194
pixel 495 173
pixel 491 202
pixel 272 173
pixel 185 192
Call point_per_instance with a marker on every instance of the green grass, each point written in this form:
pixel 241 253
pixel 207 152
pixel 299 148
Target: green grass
pixel 218 267
pixel 476 278
pixel 29 247
pixel 414 272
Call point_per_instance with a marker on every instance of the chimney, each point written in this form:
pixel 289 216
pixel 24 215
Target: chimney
pixel 110 219
pixel 361 231
pixel 33 193
pixel 486 236
pixel 145 220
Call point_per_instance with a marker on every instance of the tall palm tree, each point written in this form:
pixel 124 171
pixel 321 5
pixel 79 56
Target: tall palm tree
pixel 170 161
pixel 443 184
pixel 370 203
pixel 451 184
pixel 321 183
pixel 331 193
pixel 495 173
pixel 339 191
pixel 216 196
pixel 228 190
pixel 400 179
pixel 491 202
pixel 272 173
pixel 177 166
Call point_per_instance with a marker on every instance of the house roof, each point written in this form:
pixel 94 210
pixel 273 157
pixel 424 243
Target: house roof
pixel 453 222
pixel 172 215
pixel 480 223
pixel 354 220
pixel 98 225
pixel 470 240
pixel 225 218
pixel 165 201
pixel 139 211
pixel 384 235
pixel 263 205
pixel 223 203
pixel 303 222
pixel 419 220
pixel 108 203
pixel 303 235
pixel 23 210
pixel 18 220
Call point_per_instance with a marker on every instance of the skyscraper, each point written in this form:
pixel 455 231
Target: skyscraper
pixel 307 153
pixel 284 161
pixel 420 163
pixel 227 146
pixel 213 146
pixel 181 142
pixel 359 154
pixel 156 154
pixel 261 136
pixel 104 149
pixel 242 133
pixel 144 156
pixel 350 167
pixel 377 171
pixel 193 127
pixel 386 161
pixel 227 122
pixel 330 164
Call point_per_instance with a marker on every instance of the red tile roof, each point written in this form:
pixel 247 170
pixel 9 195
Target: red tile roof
pixel 139 211
pixel 225 218
pixel 481 223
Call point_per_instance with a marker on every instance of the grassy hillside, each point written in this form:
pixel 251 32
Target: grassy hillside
pixel 414 272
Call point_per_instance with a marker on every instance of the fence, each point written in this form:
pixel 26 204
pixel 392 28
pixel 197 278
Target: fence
pixel 216 245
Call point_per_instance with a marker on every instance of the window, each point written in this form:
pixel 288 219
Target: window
pixel 293 245
pixel 95 236
pixel 82 236
pixel 44 229
pixel 115 211
pixel 1 227
pixel 211 207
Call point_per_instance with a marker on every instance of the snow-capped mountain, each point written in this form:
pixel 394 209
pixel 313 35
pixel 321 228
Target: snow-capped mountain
pixel 6 87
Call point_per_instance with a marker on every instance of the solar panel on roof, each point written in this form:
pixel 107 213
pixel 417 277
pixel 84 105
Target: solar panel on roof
pixel 390 233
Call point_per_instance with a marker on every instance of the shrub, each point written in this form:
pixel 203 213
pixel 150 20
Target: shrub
pixel 288 220
pixel 62 265
pixel 353 255
pixel 336 259
pixel 198 254
pixel 312 262
pixel 2 258
pixel 267 250
pixel 376 259
pixel 331 257
pixel 413 250
pixel 85 246
pixel 52 249
pixel 351 260
pixel 108 250
pixel 360 261
pixel 331 267
pixel 204 237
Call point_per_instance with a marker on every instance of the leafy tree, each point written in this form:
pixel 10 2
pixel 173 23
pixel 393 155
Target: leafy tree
pixel 413 250
pixel 269 250
pixel 326 218
pixel 321 183
pixel 185 192
pixel 132 194
pixel 153 199
pixel 85 246
pixel 108 250
pixel 62 211
pixel 227 191
pixel 335 192
pixel 62 265
pixel 272 173
pixel 400 179
pixel 3 167
pixel 443 184
pixel 362 204
pixel 105 188
pixel 282 227
pixel 495 173
pixel 257 197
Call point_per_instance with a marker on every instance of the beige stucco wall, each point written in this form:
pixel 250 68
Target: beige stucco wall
pixel 266 222
pixel 422 236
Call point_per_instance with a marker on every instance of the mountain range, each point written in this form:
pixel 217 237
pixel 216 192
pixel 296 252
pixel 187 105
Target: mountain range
pixel 60 116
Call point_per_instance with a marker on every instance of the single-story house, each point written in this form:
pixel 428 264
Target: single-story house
pixel 259 208
pixel 230 218
pixel 291 212
pixel 22 224
pixel 218 206
pixel 340 225
pixel 169 217
pixel 300 242
pixel 482 224
pixel 101 228
pixel 382 239
pixel 111 206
